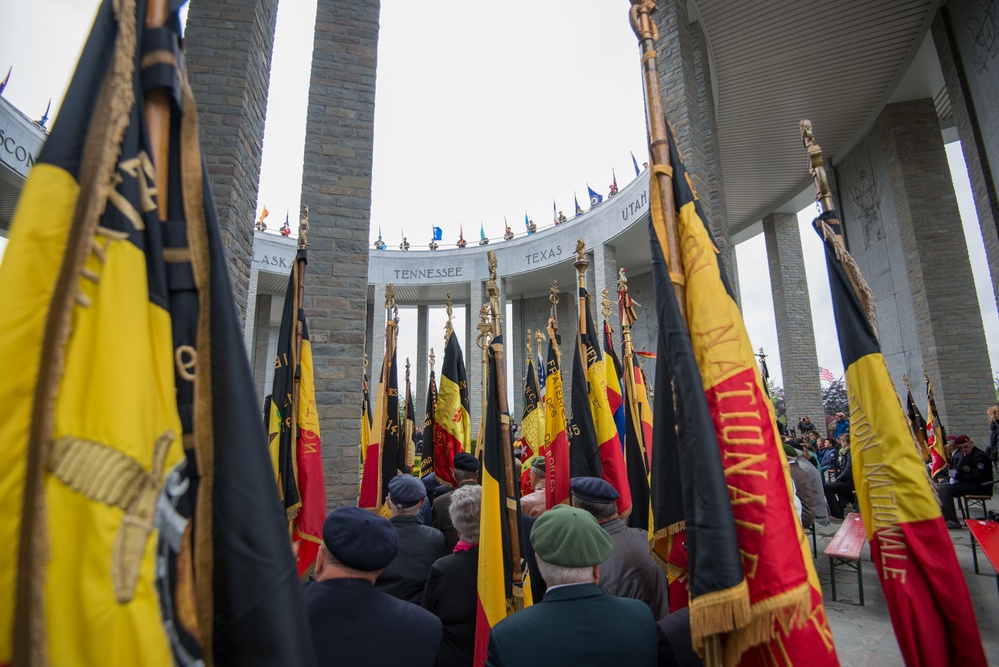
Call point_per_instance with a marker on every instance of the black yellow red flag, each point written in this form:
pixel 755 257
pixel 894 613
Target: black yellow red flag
pixel 408 427
pixel 924 587
pixel 138 492
pixel 452 432
pixel 555 448
pixel 379 464
pixel 532 423
pixel 786 614
pixel 427 446
pixel 366 419
pixel 499 583
pixel 936 435
pixel 299 459
pixel 918 425
pixel 595 449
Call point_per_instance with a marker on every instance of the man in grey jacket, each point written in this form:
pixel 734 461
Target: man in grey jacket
pixel 629 572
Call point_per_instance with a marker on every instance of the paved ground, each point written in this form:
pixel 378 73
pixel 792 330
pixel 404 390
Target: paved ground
pixel 864 635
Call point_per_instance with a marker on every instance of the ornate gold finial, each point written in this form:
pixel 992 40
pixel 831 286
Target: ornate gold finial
pixel 580 250
pixel 485 327
pixel 761 354
pixel 540 337
pixel 641 22
pixel 622 281
pixel 448 327
pixel 528 343
pixel 303 227
pixel 818 172
pixel 431 360
pixel 389 297
pixel 407 369
pixel 395 314
pixel 493 290
pixel 553 294
pixel 581 263
pixel 492 264
pixel 605 304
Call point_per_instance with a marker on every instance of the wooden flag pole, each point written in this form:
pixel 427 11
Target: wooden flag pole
pixel 553 321
pixel 513 520
pixel 581 263
pixel 157 109
pixel 382 391
pixel 647 33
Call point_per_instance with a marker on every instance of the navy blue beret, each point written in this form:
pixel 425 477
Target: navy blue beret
pixel 593 489
pixel 466 461
pixel 360 539
pixel 406 490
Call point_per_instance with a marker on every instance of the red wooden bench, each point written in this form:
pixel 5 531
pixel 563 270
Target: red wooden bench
pixel 986 534
pixel 845 548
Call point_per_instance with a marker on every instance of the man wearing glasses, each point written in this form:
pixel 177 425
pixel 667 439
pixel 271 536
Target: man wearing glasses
pixel 969 470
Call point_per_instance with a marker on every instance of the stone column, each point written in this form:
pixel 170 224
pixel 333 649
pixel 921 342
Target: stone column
pixel 377 352
pixel 473 355
pixel 793 312
pixel 261 326
pixel 973 141
pixel 422 362
pixel 228 46
pixel 249 324
pixel 688 102
pixel 336 185
pixel 947 312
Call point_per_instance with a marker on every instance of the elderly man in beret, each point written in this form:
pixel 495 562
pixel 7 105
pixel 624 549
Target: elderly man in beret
pixel 970 472
pixel 466 471
pixel 630 571
pixel 579 624
pixel 348 618
pixel 419 546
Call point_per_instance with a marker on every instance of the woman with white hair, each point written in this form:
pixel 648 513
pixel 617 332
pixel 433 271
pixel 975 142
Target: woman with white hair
pixel 451 588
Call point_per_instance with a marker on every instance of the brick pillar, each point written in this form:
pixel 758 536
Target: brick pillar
pixel 261 336
pixel 336 185
pixel 947 312
pixel 793 312
pixel 972 141
pixel 228 46
pixel 377 351
pixel 604 277
pixel 688 101
pixel 249 323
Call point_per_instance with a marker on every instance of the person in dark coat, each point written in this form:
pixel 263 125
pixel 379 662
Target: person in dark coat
pixel 451 591
pixel 348 618
pixel 839 492
pixel 970 469
pixel 675 646
pixel 629 572
pixel 576 624
pixel 419 546
pixel 466 471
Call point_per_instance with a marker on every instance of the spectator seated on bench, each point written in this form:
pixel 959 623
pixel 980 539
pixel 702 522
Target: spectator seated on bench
pixel 985 534
pixel 839 492
pixel 968 471
pixel 844 551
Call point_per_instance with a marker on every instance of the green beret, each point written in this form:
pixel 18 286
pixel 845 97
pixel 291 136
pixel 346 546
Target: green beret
pixel 791 451
pixel 570 537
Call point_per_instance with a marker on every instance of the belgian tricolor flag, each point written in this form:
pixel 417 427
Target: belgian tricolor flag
pixel 918 425
pixel 452 433
pixel 382 457
pixel 500 585
pixel 924 587
pixel 936 435
pixel 427 446
pixel 298 458
pixel 596 447
pixel 614 373
pixel 127 393
pixel 556 442
pixel 408 426
pixel 721 406
pixel 532 423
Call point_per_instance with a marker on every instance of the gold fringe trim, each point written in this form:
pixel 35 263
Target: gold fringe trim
pixel 719 612
pixel 789 610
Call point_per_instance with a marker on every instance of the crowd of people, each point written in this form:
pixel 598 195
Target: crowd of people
pixel 598 596
pixel 822 470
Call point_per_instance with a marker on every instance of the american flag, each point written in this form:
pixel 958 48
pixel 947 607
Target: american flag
pixel 825 375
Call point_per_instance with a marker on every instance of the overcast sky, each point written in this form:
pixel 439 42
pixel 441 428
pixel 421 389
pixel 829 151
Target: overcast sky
pixel 483 112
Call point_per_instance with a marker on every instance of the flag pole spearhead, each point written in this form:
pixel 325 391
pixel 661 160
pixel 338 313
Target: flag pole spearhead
pixel 431 360
pixel 581 263
pixel 448 327
pixel 303 228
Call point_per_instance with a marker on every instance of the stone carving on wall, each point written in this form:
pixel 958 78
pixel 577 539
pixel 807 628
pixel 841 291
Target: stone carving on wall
pixel 865 195
pixel 984 29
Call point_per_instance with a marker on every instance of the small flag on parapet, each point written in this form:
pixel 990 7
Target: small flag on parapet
pixel 825 375
pixel 595 198
pixel 3 84
pixel 438 233
pixel 635 163
pixel 579 211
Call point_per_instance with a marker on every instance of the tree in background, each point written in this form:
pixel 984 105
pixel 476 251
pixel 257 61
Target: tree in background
pixel 834 398
pixel 777 398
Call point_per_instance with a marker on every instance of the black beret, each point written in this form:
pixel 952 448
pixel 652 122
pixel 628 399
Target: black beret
pixel 406 490
pixel 466 461
pixel 593 489
pixel 360 539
